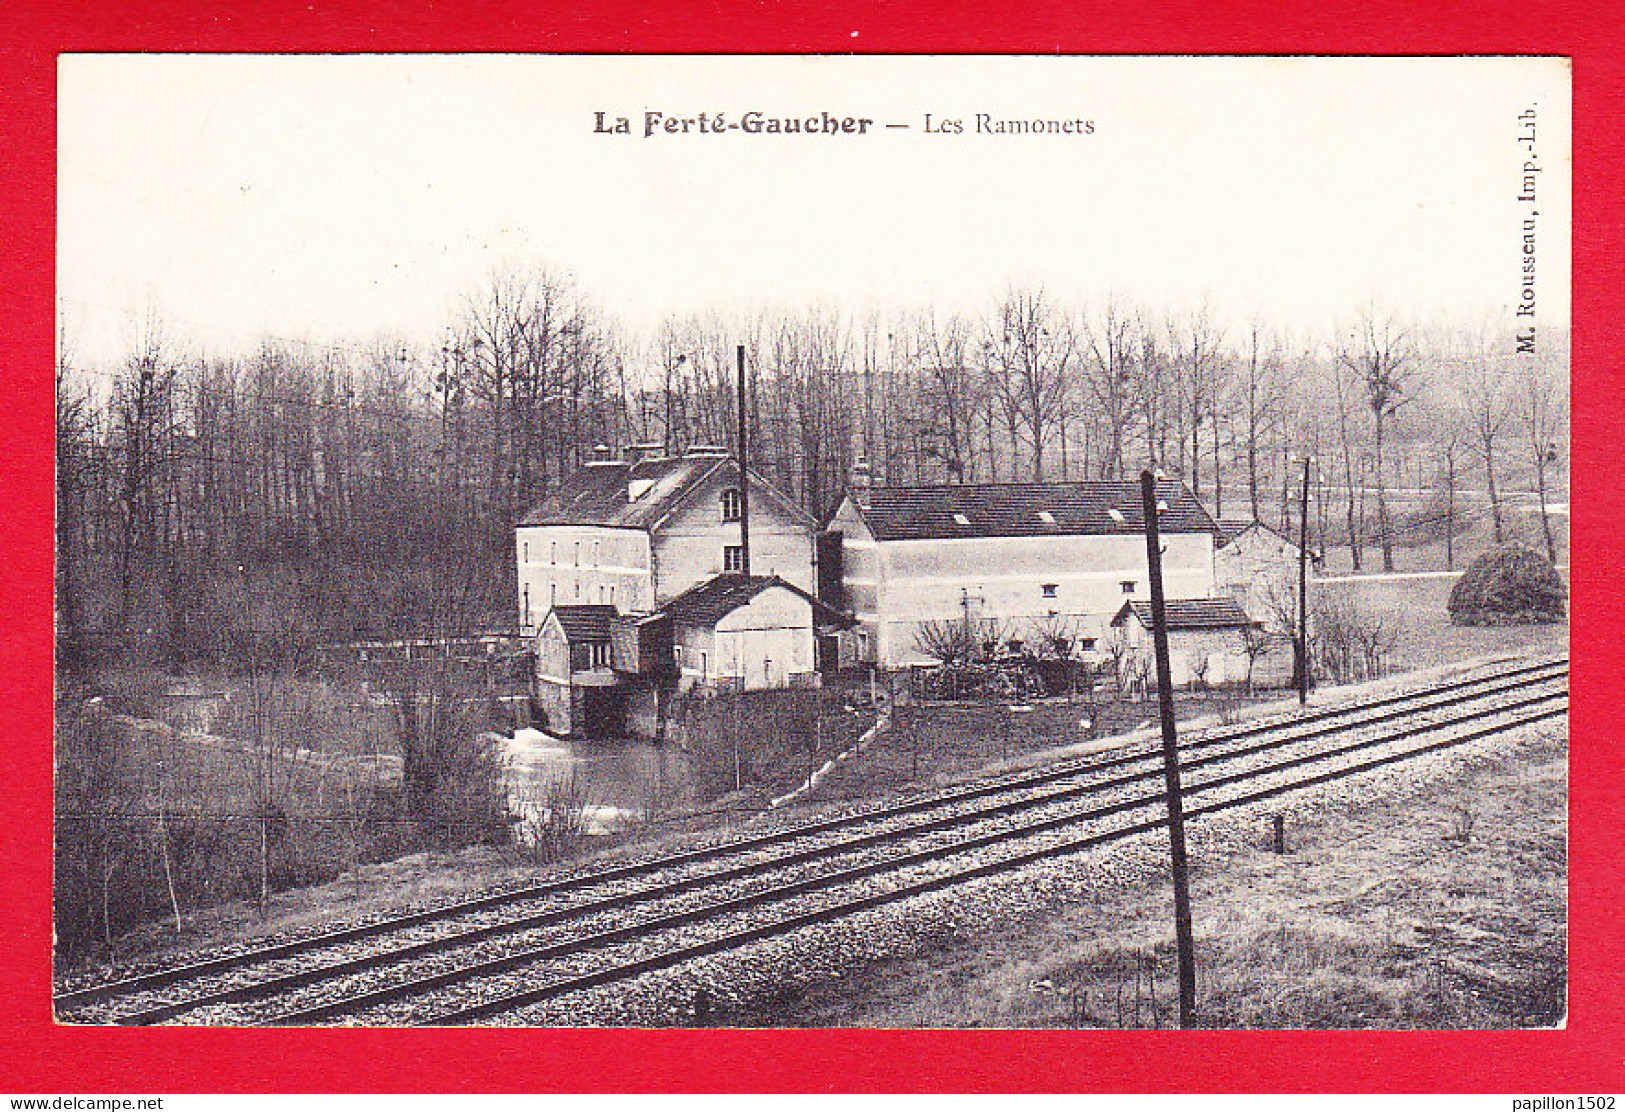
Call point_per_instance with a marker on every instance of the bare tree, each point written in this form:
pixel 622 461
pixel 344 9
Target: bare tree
pixel 1344 391
pixel 1196 360
pixel 1256 642
pixel 949 641
pixel 1033 348
pixel 1111 341
pixel 1261 397
pixel 1382 355
pixel 947 393
pixel 1542 406
pixel 1480 381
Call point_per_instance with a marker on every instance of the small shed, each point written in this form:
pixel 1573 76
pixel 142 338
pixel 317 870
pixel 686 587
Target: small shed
pixel 1206 637
pixel 757 632
pixel 575 676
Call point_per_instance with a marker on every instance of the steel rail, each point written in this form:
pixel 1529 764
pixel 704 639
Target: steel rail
pixel 1435 696
pixel 675 919
pixel 736 939
pixel 299 979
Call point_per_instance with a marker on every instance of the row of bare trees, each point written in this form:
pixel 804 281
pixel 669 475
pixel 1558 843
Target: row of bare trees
pixel 176 468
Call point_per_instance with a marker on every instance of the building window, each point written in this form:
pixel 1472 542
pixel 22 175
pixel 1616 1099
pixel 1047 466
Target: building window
pixel 612 594
pixel 677 655
pixel 527 603
pixel 552 593
pixel 553 556
pixel 595 554
pixel 732 505
pixel 1048 589
pixel 578 589
pixel 1128 586
pixel 600 654
pixel 601 593
pixel 733 557
pixel 578 554
pixel 525 548
pixel 1087 644
pixel 703 672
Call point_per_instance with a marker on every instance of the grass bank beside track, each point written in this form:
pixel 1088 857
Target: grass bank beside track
pixel 1441 904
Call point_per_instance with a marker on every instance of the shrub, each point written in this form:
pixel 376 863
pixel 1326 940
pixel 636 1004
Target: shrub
pixel 1509 585
pixel 1349 644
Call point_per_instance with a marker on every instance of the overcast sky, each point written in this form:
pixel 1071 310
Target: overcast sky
pixel 339 198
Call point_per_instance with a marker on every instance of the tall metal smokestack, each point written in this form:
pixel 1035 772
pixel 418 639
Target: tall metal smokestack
pixel 744 471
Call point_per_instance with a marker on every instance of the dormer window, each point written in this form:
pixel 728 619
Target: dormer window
pixel 1048 589
pixel 732 505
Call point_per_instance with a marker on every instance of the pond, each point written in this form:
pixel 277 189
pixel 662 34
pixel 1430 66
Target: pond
pixel 618 781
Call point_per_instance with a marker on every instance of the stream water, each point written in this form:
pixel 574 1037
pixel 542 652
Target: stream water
pixel 618 781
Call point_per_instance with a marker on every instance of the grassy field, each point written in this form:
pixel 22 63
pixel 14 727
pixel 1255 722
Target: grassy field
pixel 1426 637
pixel 1443 910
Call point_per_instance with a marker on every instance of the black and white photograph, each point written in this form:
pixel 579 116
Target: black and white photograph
pixel 762 541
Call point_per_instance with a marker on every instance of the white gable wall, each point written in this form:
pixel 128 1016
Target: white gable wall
pixel 1259 570
pixel 768 641
pixel 860 574
pixel 688 546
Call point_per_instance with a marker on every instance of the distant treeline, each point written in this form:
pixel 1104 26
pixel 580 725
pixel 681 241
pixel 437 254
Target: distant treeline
pixel 369 490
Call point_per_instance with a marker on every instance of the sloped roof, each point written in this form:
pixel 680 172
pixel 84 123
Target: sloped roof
pixel 586 622
pixel 709 601
pixel 598 494
pixel 1230 530
pixel 1014 510
pixel 1190 613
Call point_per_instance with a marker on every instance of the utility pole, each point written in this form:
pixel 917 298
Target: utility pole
pixel 744 473
pixel 1303 589
pixel 1170 758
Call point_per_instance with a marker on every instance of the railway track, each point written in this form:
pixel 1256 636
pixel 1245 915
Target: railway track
pixel 474 959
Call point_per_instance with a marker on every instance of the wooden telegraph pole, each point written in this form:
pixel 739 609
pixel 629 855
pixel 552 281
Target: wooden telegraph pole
pixel 744 473
pixel 1303 590
pixel 1170 757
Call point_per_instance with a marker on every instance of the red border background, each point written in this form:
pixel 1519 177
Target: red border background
pixel 37 1056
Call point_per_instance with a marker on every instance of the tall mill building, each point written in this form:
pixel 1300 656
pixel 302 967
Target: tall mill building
pixel 631 582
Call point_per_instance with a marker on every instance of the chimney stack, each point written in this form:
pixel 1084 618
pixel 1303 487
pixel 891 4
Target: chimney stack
pixel 637 453
pixel 860 481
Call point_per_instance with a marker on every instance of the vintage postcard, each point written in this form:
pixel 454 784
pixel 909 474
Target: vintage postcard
pixel 812 542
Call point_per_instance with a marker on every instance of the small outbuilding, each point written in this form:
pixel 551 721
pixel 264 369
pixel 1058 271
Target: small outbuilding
pixel 1256 566
pixel 575 674
pixel 1207 637
pixel 755 632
